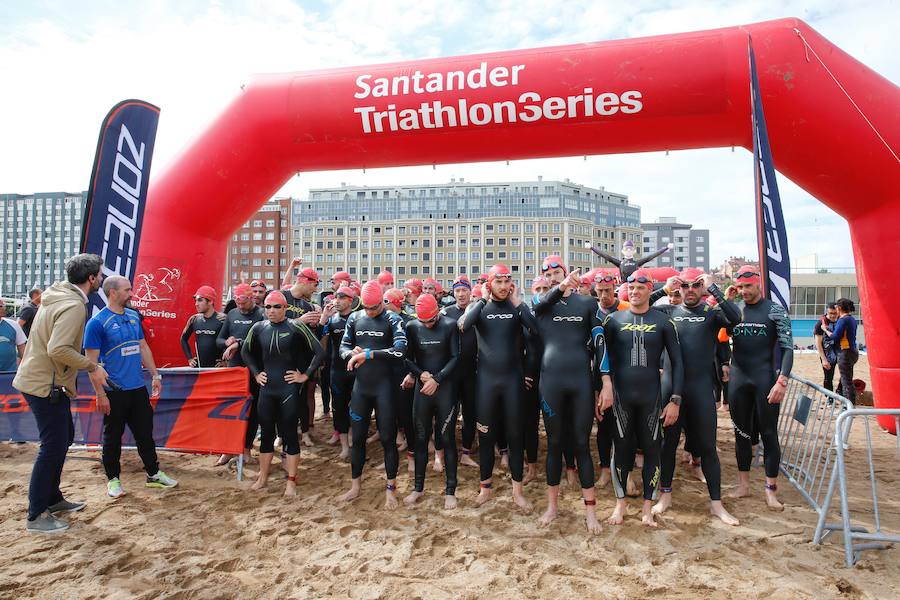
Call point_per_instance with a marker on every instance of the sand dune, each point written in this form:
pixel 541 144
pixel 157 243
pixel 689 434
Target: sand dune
pixel 213 538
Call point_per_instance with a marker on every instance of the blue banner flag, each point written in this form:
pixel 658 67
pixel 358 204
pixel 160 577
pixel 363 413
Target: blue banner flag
pixel 118 192
pixel 774 260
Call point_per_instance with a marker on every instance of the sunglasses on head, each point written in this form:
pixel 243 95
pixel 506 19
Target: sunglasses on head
pixel 275 306
pixel 342 296
pixel 639 279
pixel 198 298
pixel 605 279
pixel 243 297
pixel 553 265
pixel 694 285
pixel 746 275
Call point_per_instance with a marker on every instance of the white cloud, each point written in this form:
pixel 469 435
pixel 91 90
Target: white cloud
pixel 64 65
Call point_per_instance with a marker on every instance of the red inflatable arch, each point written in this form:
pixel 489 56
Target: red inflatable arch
pixel 673 92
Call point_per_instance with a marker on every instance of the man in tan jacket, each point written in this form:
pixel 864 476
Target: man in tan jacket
pixel 47 379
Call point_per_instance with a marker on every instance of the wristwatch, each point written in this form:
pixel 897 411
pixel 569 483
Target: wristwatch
pixel 781 381
pixel 157 378
pixel 675 399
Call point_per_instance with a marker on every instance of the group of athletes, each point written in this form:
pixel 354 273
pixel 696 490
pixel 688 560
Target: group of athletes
pixel 644 372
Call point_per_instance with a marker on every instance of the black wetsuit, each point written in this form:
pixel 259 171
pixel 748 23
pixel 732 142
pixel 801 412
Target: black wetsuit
pixel 276 348
pixel 466 365
pixel 403 398
pixel 205 330
pixel 498 325
pixel 534 352
pixel 296 308
pixel 572 336
pixel 698 333
pixel 237 324
pixel 341 379
pixel 384 340
pixel 764 326
pixel 636 342
pixel 606 429
pixel 436 351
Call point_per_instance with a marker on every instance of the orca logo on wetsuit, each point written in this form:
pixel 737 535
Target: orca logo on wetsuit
pixel 690 319
pixel 371 333
pixel 206 332
pixel 499 316
pixel 574 319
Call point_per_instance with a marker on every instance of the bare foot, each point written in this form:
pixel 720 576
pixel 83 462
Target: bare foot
pixel 605 478
pixel 306 440
pixel 484 495
pixel 639 460
pixel 504 460
pixel 548 516
pixel 740 491
pixel 259 484
pixel 352 494
pixel 530 474
pixel 390 500
pixel 411 464
pixel 718 510
pixel 290 489
pixel 593 525
pixel 649 519
pixel 401 442
pixel 686 457
pixel 334 439
pixel 413 498
pixel 345 454
pixel 224 460
pixel 372 438
pixel 522 502
pixel 438 464
pixel 631 488
pixel 665 501
pixel 450 502
pixel 618 514
pixel 468 461
pixel 572 478
pixel 697 472
pixel 772 501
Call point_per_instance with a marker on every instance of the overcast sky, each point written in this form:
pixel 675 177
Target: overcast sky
pixel 64 64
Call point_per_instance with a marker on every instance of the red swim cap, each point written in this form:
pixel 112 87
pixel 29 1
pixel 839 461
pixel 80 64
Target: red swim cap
pixel 395 297
pixel 429 281
pixel 356 287
pixel 206 291
pixel 498 270
pixel 341 276
pixel 426 307
pixel 641 273
pixel 385 278
pixel 276 297
pixel 481 278
pixel 346 290
pixel 438 287
pixel 372 295
pixel 553 261
pixel 747 274
pixel 539 282
pixel 690 274
pixel 309 274
pixel 413 285
pixel 242 289
pixel 476 291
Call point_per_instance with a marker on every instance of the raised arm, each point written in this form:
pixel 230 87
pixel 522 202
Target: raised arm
pixel 645 259
pixel 729 310
pixel 472 314
pixel 607 257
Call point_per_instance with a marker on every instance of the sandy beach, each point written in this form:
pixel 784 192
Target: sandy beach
pixel 211 537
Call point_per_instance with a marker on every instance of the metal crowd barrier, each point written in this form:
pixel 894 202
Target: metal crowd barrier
pixel 856 537
pixel 814 432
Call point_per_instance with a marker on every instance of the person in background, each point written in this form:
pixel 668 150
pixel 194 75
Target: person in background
pixel 259 289
pixel 825 346
pixel 843 337
pixel 12 342
pixel 26 315
pixel 46 379
pixel 386 279
pixel 205 326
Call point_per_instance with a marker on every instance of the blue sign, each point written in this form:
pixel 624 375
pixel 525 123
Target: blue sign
pixel 118 192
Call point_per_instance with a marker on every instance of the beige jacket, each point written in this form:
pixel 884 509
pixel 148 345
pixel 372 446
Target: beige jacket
pixel 54 346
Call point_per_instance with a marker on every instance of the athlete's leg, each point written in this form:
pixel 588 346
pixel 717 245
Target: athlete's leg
pixel 486 412
pixel 288 415
pixel 445 417
pixel 340 404
pixel 325 383
pixel 605 431
pixel 671 437
pixel 767 418
pixel 622 459
pixel 466 392
pixel 268 413
pixel 649 435
pixel 551 406
pixel 741 406
pixel 423 415
pixel 361 405
pixel 512 416
pixel 532 418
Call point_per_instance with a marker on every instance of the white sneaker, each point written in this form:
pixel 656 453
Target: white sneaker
pixel 114 488
pixel 160 480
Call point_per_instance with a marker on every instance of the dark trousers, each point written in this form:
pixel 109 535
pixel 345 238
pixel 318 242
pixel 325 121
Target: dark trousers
pixel 845 362
pixel 132 408
pixel 54 422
